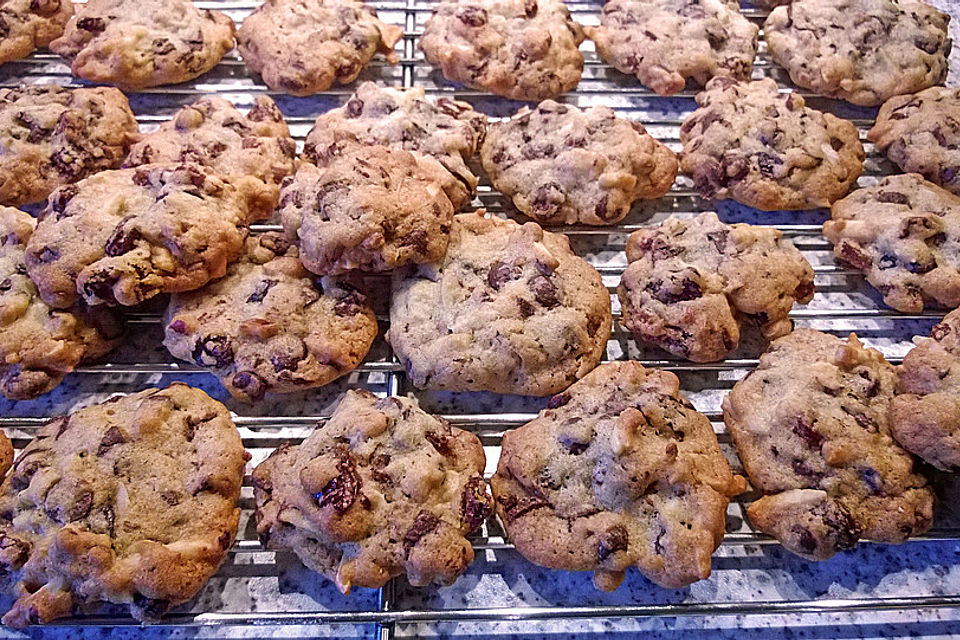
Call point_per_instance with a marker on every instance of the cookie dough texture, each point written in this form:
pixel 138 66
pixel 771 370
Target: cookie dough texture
pixel 446 129
pixel 212 132
pixel 130 502
pixel 519 49
pixel 921 134
pixel 810 425
pixel 54 136
pixel 925 414
pixel 692 283
pixel 40 345
pixel 509 309
pixel 121 237
pixel 618 471
pixel 768 150
pixel 904 234
pixel 862 51
pixel 561 164
pixel 371 209
pixel 269 326
pixel 381 489
pixel 136 44
pixel 665 42
pixel 302 47
pixel 27 25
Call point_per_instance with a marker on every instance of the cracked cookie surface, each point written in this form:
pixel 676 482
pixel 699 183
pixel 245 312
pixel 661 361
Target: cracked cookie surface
pixel 925 414
pixel 618 471
pixel 27 25
pixel 130 502
pixel 904 234
pixel 370 209
pixel 40 345
pixel 691 284
pixel 564 165
pixel 519 49
pixel 379 490
pixel 136 44
pixel 212 132
pixel 302 47
pixel 121 237
pixel 750 143
pixel 921 134
pixel 449 130
pixel 810 425
pixel 509 309
pixel 862 51
pixel 269 326
pixel 664 42
pixel 53 136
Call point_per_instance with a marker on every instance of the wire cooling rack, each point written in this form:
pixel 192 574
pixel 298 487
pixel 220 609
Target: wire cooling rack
pixel 258 587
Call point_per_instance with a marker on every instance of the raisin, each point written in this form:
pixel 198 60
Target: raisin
pixel 558 400
pixel 616 538
pixel 476 503
pixel 250 384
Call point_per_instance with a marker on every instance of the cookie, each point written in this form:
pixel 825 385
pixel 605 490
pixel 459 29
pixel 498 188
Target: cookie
pixel 750 143
pixel 519 49
pixel 692 283
pixel 130 502
pixel 213 133
pixel 862 51
pixel 618 471
pixel 509 309
pixel 6 453
pixel 40 345
pixel 121 237
pixel 665 42
pixel 925 414
pixel 381 489
pixel 302 47
pixel 921 134
pixel 560 164
pixel 904 234
pixel 269 326
pixel 448 130
pixel 52 136
pixel 810 425
pixel 136 44
pixel 27 25
pixel 372 209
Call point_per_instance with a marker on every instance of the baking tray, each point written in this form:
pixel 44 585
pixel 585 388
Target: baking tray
pixel 501 592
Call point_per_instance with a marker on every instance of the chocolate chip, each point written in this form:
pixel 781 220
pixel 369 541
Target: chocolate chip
pixel 122 240
pixel 424 523
pixel 806 539
pixel 616 538
pixel 58 199
pixel 354 107
pixel 916 225
pixel 768 163
pixel 544 291
pixel 501 273
pixel 669 292
pixel 111 437
pixel 893 197
pixel 476 504
pixel 836 144
pixel 81 506
pixel 925 265
pixel 547 200
pixel 217 347
pixel 93 25
pixel 558 400
pixel 526 309
pixel 342 491
pixel 472 16
pixel 516 507
pixel 440 442
pixel 854 256
pixel 252 385
pixel 530 8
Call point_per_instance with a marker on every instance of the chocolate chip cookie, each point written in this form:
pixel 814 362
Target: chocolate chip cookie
pixel 130 502
pixel 27 25
pixel 40 345
pixel 862 51
pixel 904 234
pixel 269 326
pixel 53 136
pixel 664 42
pixel 381 489
pixel 766 149
pixel 509 309
pixel 925 414
pixel 692 283
pixel 212 132
pixel 810 425
pixel 921 134
pixel 302 47
pixel 371 209
pixel 618 471
pixel 520 49
pixel 448 130
pixel 121 237
pixel 6 453
pixel 136 44
pixel 561 164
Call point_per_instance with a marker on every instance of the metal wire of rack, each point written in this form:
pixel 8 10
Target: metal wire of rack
pixel 843 302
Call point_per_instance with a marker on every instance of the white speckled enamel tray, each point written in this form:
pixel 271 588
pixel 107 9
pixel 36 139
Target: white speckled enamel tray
pixel 875 590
